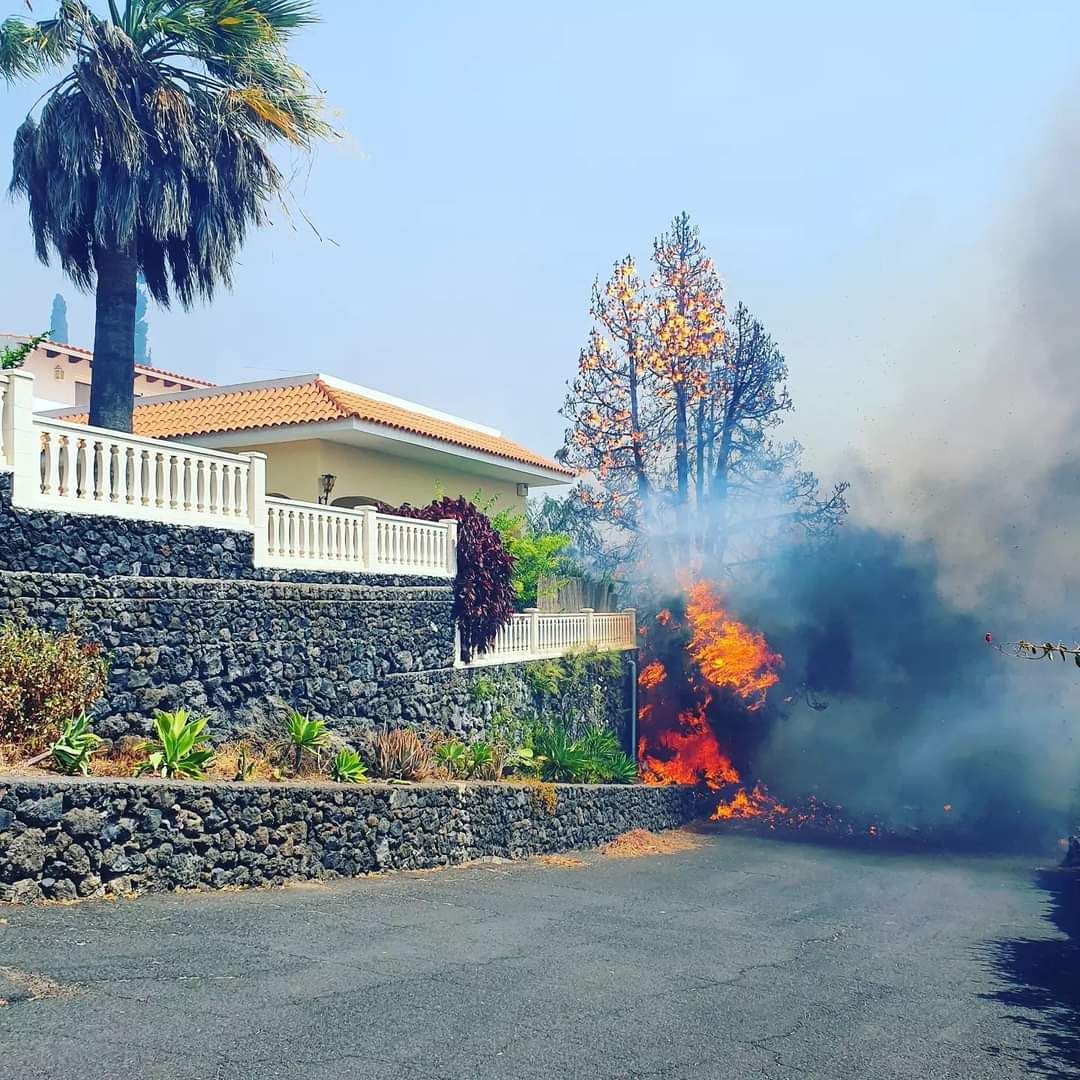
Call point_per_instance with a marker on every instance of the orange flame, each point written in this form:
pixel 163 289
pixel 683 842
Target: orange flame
pixel 689 754
pixel 727 652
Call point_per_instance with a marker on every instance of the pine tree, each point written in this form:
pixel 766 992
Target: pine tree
pixel 58 324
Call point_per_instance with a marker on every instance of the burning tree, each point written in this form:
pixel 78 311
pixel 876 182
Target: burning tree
pixel 672 416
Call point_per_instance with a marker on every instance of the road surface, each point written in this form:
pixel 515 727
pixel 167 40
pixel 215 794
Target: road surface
pixel 745 957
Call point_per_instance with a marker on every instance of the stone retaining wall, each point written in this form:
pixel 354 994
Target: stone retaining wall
pixel 62 839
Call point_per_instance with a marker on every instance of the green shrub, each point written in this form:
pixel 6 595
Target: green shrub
pixel 545 678
pixel 347 768
pixel 45 679
pixel 594 758
pixel 177 753
pixel 482 689
pixel 481 761
pixel 452 756
pixel 557 757
pixel 72 751
pixel 305 736
pixel 400 755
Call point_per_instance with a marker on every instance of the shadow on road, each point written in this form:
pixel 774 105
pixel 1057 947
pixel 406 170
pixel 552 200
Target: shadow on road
pixel 1042 977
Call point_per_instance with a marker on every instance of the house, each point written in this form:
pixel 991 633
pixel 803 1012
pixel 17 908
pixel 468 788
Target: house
pixel 62 375
pixel 325 439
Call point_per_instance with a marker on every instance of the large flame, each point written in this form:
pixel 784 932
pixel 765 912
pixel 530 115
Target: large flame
pixel 726 651
pixel 678 744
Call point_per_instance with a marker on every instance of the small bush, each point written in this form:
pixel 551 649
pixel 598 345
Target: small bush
pixel 45 679
pixel 452 757
pixel 483 588
pixel 177 753
pixel 73 750
pixel 482 689
pixel 400 755
pixel 347 768
pixel 558 757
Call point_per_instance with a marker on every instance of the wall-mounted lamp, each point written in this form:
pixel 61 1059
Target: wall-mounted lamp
pixel 326 485
pixel 523 490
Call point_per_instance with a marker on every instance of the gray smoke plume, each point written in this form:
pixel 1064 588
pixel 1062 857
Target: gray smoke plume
pixel 965 519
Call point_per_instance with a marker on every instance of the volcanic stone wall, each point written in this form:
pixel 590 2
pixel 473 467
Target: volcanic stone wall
pixel 62 839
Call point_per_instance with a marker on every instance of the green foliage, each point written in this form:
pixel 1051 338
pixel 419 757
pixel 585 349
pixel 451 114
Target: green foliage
pixel 400 755
pixel 305 736
pixel 45 679
pixel 558 758
pixel 606 760
pixel 481 760
pixel 347 768
pixel 178 752
pixel 536 555
pixel 14 356
pixel 545 678
pixel 452 756
pixel 162 117
pixel 594 758
pixel 73 749
pixel 482 689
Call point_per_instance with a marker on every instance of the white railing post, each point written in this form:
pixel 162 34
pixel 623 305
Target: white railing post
pixel 370 539
pixel 590 626
pixel 4 462
pixel 451 546
pixel 534 629
pixel 631 614
pixel 256 503
pixel 22 445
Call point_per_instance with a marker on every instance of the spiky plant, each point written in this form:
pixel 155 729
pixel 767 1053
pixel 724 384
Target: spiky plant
pixel 150 154
pixel 347 767
pixel 305 736
pixel 75 746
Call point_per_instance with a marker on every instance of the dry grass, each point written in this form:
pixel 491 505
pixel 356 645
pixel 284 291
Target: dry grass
pixel 545 795
pixel 121 760
pixel 226 763
pixel 565 862
pixel 31 986
pixel 640 842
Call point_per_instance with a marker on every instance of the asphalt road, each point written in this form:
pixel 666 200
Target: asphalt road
pixel 747 957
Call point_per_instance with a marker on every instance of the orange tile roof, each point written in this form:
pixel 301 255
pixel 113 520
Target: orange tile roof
pixel 312 402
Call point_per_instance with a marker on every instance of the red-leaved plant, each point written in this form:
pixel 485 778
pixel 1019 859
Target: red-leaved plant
pixel 483 590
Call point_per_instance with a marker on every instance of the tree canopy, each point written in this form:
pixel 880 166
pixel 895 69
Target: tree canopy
pixel 673 416
pixel 150 154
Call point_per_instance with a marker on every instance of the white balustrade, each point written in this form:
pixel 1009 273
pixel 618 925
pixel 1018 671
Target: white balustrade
pixel 533 635
pixel 87 470
pixel 74 468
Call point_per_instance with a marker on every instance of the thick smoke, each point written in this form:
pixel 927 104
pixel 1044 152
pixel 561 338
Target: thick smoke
pixel 965 519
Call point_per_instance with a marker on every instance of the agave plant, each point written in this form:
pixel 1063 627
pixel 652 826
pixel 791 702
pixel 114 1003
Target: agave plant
pixel 305 735
pixel 347 768
pixel 401 755
pixel 149 154
pixel 177 753
pixel 75 746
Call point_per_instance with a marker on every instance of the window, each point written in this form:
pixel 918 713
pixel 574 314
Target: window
pixel 82 393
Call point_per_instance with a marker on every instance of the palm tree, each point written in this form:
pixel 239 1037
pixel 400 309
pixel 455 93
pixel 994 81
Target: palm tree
pixel 151 153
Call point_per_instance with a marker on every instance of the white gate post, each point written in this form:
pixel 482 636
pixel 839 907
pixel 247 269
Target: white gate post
pixel 21 444
pixel 590 626
pixel 534 630
pixel 256 503
pixel 370 539
pixel 631 642
pixel 451 546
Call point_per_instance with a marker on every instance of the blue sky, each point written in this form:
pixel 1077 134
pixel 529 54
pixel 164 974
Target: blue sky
pixel 845 164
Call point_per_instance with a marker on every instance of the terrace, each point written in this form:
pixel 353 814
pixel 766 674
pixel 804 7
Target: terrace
pixel 71 468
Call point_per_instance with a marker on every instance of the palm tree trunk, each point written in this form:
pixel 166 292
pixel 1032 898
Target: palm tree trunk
pixel 112 384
